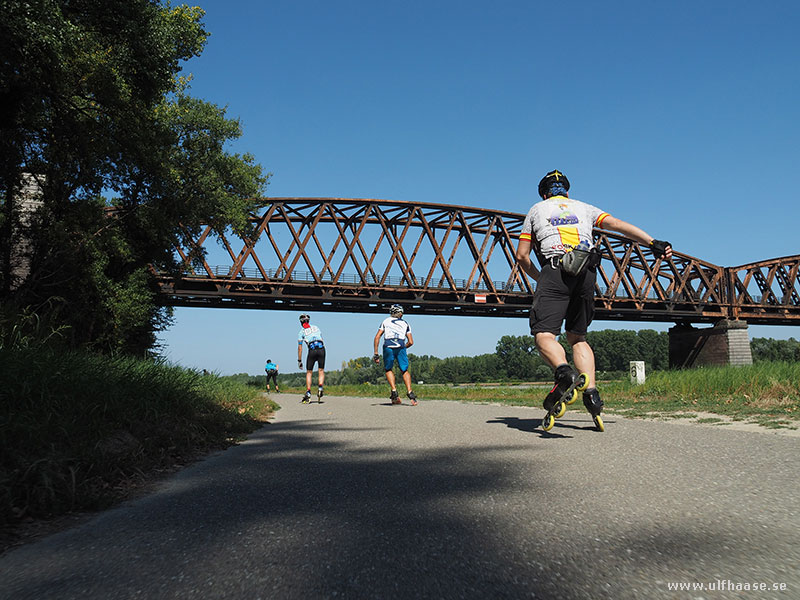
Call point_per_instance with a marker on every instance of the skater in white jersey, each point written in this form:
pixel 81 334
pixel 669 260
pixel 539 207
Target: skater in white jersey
pixel 397 337
pixel 312 337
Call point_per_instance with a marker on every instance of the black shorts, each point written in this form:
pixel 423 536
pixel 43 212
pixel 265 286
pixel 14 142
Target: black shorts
pixel 317 355
pixel 273 374
pixel 559 296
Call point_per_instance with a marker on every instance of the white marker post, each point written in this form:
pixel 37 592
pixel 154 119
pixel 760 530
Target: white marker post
pixel 637 372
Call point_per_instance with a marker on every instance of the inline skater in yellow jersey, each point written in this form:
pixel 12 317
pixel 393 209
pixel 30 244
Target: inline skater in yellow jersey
pixel 559 231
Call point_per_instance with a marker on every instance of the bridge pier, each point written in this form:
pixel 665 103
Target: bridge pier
pixel 726 343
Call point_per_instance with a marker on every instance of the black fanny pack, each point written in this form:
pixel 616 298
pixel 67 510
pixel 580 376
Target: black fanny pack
pixel 315 345
pixel 577 261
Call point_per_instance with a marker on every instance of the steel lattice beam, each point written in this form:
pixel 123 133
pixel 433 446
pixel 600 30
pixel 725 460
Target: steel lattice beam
pixel 353 255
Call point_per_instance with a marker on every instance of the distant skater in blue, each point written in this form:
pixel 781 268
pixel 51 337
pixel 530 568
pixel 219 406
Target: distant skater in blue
pixel 396 338
pixel 272 373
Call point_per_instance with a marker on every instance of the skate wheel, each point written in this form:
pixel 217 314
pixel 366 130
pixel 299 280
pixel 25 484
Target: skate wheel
pixel 573 397
pixel 548 422
pixel 584 384
pixel 559 410
pixel 598 422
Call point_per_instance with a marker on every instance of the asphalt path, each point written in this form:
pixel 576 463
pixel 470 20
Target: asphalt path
pixel 355 498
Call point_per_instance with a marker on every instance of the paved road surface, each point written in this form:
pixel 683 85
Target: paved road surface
pixel 355 498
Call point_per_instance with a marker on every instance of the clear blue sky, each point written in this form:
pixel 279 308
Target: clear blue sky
pixel 680 117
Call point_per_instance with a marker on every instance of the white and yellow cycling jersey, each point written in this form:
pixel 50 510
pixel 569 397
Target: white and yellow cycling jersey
pixel 557 225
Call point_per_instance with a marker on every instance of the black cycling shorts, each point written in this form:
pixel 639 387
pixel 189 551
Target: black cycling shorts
pixel 272 374
pixel 559 296
pixel 317 355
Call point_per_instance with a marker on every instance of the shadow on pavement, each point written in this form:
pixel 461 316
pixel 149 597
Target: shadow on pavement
pixel 535 426
pixel 293 514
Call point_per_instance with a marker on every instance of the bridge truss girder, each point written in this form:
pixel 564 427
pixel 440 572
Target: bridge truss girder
pixel 352 255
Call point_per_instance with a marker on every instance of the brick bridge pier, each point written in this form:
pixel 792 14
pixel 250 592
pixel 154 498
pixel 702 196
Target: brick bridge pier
pixel 726 343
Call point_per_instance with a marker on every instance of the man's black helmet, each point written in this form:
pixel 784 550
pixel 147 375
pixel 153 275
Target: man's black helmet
pixel 551 178
pixel 304 318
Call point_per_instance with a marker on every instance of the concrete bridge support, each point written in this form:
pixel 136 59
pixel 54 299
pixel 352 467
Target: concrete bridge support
pixel 726 343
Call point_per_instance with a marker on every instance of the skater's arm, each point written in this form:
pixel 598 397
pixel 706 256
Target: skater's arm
pixel 409 340
pixel 375 343
pixel 633 232
pixel 523 256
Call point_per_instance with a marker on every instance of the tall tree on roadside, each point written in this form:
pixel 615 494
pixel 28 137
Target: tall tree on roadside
pixel 95 105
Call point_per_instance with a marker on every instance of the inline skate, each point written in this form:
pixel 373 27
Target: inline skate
pixel 594 404
pixel 568 382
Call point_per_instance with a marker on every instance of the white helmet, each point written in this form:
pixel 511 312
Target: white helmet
pixel 396 310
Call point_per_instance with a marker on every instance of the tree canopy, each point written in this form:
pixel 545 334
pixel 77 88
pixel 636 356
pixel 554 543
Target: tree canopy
pixel 769 349
pixel 97 109
pixel 515 359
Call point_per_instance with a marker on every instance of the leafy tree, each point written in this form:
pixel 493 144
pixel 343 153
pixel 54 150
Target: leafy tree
pixel 518 356
pixel 653 349
pixel 94 104
pixel 614 349
pixel 768 349
pixel 485 367
pixel 430 369
pixel 543 373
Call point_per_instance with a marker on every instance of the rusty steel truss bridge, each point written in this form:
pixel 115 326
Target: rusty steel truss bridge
pixel 357 255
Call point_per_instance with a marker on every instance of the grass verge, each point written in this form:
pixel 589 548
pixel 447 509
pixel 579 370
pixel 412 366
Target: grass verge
pixel 79 430
pixel 766 393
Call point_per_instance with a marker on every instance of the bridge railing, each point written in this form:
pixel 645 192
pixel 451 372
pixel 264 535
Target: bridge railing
pixel 223 272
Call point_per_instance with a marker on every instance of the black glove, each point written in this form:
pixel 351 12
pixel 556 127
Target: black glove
pixel 299 364
pixel 376 358
pixel 659 247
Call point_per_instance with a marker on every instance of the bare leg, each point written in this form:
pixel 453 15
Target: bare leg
pixel 550 350
pixel 308 380
pixel 407 380
pixel 391 380
pixel 321 378
pixel 583 355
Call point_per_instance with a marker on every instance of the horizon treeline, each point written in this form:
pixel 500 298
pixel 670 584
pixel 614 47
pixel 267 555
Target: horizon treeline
pixel 516 359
